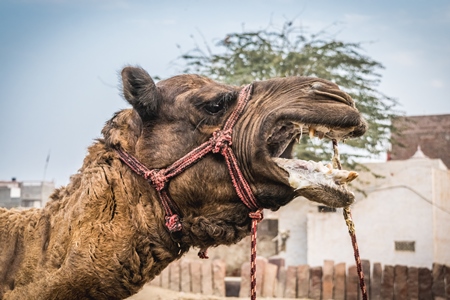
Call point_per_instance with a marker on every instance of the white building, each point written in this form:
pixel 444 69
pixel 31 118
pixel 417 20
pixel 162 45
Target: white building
pixel 25 193
pixel 404 218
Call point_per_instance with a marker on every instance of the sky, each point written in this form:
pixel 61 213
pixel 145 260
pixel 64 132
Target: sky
pixel 60 60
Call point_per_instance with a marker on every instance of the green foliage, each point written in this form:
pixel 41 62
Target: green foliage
pixel 268 53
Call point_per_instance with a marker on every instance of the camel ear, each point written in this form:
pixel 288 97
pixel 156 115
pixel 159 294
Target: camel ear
pixel 140 91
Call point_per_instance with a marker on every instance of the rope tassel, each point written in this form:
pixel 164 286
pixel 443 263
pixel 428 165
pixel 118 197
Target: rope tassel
pixel 256 217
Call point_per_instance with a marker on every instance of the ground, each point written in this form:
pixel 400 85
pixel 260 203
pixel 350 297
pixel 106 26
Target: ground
pixel 156 293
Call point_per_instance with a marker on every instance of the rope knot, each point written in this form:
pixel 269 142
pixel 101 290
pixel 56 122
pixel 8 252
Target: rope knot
pixel 157 178
pixel 256 215
pixel 221 140
pixel 173 223
pixel 148 174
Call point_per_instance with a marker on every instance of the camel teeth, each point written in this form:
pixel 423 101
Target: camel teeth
pixel 322 129
pixel 320 134
pixel 342 176
pixel 301 134
pixel 312 132
pixel 351 176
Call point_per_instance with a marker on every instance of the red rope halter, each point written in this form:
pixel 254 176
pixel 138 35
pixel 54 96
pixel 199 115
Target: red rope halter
pixel 220 142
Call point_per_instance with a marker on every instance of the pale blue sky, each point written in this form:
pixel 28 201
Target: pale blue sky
pixel 59 60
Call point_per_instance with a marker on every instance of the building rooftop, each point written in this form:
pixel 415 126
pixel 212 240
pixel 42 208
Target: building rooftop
pixel 14 193
pixel 430 134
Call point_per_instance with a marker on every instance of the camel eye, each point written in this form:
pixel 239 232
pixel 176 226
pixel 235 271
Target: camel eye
pixel 215 107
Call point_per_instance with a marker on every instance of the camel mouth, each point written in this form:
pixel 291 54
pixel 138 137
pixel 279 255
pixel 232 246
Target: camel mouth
pixel 313 180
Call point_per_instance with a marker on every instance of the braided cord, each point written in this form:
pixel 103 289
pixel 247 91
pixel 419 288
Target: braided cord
pixel 351 229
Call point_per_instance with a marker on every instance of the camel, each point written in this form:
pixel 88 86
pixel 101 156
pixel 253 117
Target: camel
pixel 132 208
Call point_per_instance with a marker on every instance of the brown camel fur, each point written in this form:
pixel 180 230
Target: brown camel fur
pixel 103 235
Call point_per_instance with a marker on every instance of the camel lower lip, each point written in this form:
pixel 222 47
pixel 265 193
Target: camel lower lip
pixel 309 175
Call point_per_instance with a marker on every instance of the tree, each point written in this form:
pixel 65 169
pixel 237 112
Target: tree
pixel 263 54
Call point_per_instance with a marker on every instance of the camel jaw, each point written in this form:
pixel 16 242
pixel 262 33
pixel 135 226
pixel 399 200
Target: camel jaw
pixel 313 180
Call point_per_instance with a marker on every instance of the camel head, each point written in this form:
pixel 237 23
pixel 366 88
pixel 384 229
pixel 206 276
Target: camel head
pixel 174 116
pixel 109 231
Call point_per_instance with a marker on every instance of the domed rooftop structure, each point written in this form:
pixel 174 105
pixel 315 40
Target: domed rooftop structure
pixel 419 154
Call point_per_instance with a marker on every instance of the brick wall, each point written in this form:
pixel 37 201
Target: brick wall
pixel 330 281
pixel 431 133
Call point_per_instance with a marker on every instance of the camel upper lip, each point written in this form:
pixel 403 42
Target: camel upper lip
pixel 306 105
pixel 284 133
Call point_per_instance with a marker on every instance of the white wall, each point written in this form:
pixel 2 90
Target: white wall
pixel 398 207
pixel 328 238
pixel 441 212
pixel 293 217
pixel 381 219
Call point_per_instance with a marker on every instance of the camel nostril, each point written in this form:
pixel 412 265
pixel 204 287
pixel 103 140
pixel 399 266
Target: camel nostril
pixel 334 93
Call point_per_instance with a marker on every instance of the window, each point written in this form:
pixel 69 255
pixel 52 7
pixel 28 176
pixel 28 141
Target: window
pixel 405 246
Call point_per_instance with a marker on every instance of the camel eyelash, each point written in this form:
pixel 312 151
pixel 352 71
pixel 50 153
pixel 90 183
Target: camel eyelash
pixel 219 105
pixel 216 107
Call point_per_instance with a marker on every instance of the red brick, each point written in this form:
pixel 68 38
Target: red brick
pixel 196 276
pixel 425 284
pixel 207 284
pixel 352 284
pixel 185 280
pixel 270 280
pixel 447 280
pixel 303 281
pixel 281 282
pixel 315 283
pixel 245 280
pixel 375 285
pixel 291 282
pixel 261 263
pixel 413 283
pixel 174 271
pixel 438 287
pixel 327 280
pixel 431 133
pixel 218 275
pixel 339 281
pixel 401 283
pixel 366 271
